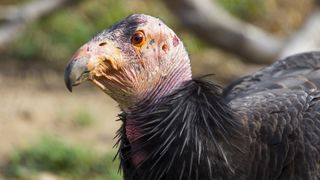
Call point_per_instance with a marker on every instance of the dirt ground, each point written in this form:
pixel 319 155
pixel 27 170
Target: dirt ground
pixel 36 106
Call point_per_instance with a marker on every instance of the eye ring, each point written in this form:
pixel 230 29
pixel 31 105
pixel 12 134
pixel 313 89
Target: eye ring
pixel 138 38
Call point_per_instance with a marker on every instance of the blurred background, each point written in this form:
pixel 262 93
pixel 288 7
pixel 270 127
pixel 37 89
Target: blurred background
pixel 47 133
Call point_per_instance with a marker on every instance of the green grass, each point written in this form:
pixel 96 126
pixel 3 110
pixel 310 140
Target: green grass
pixel 83 118
pixel 245 9
pixel 12 2
pixel 70 162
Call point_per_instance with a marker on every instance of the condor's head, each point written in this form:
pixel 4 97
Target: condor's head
pixel 137 59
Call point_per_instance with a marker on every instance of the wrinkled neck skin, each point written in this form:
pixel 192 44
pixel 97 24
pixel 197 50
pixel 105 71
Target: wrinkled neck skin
pixel 169 76
pixel 159 78
pixel 165 84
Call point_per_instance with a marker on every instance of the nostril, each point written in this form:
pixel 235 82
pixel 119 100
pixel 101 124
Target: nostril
pixel 103 44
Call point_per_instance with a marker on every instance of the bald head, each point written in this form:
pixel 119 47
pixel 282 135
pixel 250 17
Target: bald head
pixel 137 58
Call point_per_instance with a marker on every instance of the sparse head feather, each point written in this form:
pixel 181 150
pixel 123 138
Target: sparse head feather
pixel 136 59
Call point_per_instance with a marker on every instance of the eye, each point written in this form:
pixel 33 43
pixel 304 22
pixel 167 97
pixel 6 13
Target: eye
pixel 138 38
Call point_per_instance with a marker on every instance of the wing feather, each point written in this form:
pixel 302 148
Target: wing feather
pixel 301 71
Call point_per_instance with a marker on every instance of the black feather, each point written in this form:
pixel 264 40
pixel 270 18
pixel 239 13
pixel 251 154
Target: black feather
pixel 184 136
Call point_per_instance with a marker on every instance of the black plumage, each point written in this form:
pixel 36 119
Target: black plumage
pixel 182 135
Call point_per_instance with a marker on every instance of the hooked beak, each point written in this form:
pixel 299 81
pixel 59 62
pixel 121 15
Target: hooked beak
pixel 89 61
pixel 79 67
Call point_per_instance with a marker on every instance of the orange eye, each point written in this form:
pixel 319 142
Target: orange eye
pixel 137 38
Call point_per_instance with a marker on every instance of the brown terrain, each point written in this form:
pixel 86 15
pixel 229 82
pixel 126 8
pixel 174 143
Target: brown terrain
pixel 34 105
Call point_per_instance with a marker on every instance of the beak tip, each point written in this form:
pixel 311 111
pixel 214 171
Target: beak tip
pixel 67 79
pixel 69 88
pixel 68 84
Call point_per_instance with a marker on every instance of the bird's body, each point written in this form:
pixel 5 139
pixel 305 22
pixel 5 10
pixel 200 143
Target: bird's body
pixel 281 106
pixel 264 126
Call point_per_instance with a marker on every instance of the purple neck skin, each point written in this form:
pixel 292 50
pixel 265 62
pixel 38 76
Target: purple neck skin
pixel 166 85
